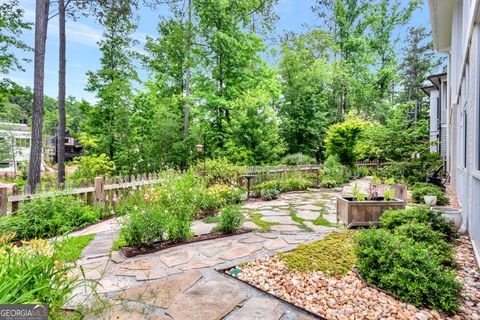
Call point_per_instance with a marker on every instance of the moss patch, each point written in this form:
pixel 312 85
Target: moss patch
pixel 264 225
pixel 300 221
pixel 72 247
pixel 334 255
pixel 321 221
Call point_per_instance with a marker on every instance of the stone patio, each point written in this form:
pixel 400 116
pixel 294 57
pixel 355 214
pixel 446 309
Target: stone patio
pixel 182 282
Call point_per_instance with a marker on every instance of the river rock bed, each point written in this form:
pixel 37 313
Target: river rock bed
pixel 348 297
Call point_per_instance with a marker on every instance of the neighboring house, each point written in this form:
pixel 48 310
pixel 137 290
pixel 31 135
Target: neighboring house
pixel 456 33
pixel 437 91
pixel 14 146
pixel 72 147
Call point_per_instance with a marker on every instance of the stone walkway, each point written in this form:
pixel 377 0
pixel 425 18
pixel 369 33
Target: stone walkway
pixel 182 282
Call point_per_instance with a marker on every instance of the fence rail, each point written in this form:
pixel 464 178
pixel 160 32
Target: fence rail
pixel 107 192
pixel 102 192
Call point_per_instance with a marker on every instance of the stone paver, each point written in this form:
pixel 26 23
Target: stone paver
pixel 160 293
pixel 180 283
pixel 209 300
pixel 259 308
pixel 279 219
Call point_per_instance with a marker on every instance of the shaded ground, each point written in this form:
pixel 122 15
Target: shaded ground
pixel 181 282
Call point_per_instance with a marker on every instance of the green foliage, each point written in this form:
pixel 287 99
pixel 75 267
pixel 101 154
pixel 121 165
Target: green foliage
pixel 219 171
pixel 388 194
pixel 343 138
pixel 321 221
pixel 294 160
pixel 47 217
pixel 406 268
pixel 333 173
pixel 421 189
pixel 33 274
pixel 219 195
pixel 392 219
pixel 295 184
pixel 333 255
pixel 264 225
pixel 71 248
pixel 92 166
pixel 230 219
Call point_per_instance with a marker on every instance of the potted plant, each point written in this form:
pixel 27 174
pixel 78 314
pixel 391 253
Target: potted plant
pixel 455 215
pixel 365 209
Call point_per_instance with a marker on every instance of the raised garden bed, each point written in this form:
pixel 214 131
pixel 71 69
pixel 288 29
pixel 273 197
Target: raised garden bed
pixel 130 252
pixel 355 213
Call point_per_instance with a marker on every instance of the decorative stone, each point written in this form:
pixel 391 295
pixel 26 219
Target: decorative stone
pixel 238 251
pixel 175 258
pixel 209 300
pixel 161 293
pixel 275 244
pixel 259 308
pixel 279 219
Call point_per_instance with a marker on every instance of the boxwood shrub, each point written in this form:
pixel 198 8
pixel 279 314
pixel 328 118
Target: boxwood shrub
pixel 421 189
pixel 408 269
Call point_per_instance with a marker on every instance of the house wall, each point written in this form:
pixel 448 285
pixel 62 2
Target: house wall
pixel 463 151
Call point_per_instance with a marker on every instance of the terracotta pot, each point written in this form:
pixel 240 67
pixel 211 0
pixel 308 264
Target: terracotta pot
pixel 455 215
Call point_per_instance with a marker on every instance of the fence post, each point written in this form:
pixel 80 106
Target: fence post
pixel 99 192
pixel 3 201
pixel 15 192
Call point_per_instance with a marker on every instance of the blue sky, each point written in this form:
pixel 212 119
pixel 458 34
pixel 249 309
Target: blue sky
pixel 83 53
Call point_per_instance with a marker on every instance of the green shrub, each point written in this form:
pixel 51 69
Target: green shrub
pixel 333 173
pixel 392 219
pixel 47 217
pixel 433 240
pixel 230 219
pixel 219 195
pixel 91 166
pixel 407 269
pixel 294 159
pixel 144 226
pixel 295 184
pixel 219 171
pixel 33 274
pixel 269 194
pixel 421 189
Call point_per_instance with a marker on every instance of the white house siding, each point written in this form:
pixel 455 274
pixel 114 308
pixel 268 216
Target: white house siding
pixel 463 103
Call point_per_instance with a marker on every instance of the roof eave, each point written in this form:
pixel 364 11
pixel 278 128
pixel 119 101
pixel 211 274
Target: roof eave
pixel 441 22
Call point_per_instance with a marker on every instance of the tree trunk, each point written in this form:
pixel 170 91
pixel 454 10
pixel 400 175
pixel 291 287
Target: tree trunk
pixel 41 23
pixel 187 81
pixel 61 94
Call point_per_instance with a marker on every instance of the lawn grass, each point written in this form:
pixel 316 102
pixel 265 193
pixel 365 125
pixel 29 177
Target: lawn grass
pixel 333 255
pixel 264 225
pixel 72 247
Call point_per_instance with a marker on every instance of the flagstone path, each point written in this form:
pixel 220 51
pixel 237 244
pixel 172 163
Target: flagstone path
pixel 182 282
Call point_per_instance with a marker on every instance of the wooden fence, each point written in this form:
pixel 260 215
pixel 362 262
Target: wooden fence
pixel 107 192
pixel 101 192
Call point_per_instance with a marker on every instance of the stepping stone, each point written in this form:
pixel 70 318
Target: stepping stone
pixel 100 246
pixel 117 257
pixel 200 227
pixel 267 235
pixel 251 239
pixel 214 249
pixel 278 203
pixel 108 286
pixel 238 251
pixel 285 228
pixel 275 244
pixel 124 312
pixel 176 258
pixel 155 273
pixel 199 263
pixel 259 308
pixel 209 300
pixel 279 219
pixel 250 225
pixel 268 213
pixel 307 215
pixel 138 265
pixel 160 293
pixel 310 207
pixel 295 239
pixel 255 205
pixel 319 229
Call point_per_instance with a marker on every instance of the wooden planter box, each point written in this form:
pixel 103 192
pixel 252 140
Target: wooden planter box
pixel 400 190
pixel 364 213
